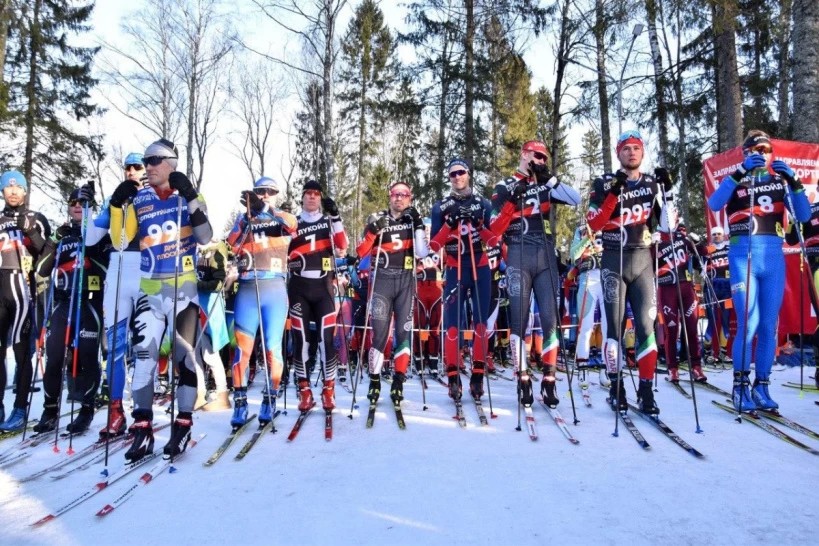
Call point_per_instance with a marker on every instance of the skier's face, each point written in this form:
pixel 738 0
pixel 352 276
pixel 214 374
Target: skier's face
pixel 134 172
pixel 630 156
pixel 400 198
pixel 311 200
pixel 158 174
pixel 14 195
pixel 458 178
pixel 75 210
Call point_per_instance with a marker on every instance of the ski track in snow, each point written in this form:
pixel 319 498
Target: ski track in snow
pixel 435 483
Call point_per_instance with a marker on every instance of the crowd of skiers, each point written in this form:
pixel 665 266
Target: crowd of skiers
pixel 477 285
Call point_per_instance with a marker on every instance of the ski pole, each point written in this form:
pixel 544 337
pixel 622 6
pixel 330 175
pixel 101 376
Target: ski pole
pixel 480 320
pixel 521 352
pixel 368 304
pixel 682 318
pixel 743 369
pixel 174 333
pixel 619 318
pixel 113 352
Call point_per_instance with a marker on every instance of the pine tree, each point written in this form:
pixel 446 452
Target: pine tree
pixel 49 82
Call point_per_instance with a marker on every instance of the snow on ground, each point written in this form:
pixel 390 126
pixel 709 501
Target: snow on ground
pixel 435 483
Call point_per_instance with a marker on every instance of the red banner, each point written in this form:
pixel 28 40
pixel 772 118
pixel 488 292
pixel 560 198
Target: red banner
pixel 803 158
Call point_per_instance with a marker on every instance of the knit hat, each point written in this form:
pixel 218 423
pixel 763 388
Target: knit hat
pixel 629 137
pixel 311 185
pixel 13 178
pixel 163 148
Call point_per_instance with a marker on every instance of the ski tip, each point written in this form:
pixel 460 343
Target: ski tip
pixel 107 509
pixel 43 520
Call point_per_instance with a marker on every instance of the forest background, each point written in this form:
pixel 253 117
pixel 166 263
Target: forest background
pixel 359 93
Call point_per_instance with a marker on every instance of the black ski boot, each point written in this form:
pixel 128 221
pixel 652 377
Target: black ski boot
pixel 375 388
pixel 645 397
pixel 48 421
pixel 454 379
pixel 180 435
pixel 547 387
pixel 476 380
pixel 143 440
pixel 525 394
pixel 617 384
pixel 82 421
pixel 397 388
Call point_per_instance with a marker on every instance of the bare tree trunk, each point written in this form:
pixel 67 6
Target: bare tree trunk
pixel 469 83
pixel 5 15
pixel 659 79
pixel 677 75
pixel 805 73
pixel 361 150
pixel 729 96
pixel 35 45
pixel 562 58
pixel 328 62
pixel 602 88
pixel 783 40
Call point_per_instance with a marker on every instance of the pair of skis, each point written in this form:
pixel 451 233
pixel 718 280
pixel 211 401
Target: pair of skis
pixel 303 415
pixel 399 414
pixel 163 464
pixel 234 435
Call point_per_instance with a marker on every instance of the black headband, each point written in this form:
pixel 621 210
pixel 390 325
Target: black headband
pixel 753 141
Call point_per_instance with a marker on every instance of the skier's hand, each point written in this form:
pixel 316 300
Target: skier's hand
pixel 180 183
pixel 124 192
pixel 414 216
pixel 783 169
pixel 252 202
pixel 381 223
pixel 27 222
pixel 620 181
pixel 543 175
pixel 519 190
pixel 664 178
pixel 329 206
pixel 751 162
pixel 87 192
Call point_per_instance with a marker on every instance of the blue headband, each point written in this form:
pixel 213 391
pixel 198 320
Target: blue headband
pixel 458 162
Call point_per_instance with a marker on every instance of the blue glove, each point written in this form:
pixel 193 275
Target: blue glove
pixel 783 169
pixel 753 161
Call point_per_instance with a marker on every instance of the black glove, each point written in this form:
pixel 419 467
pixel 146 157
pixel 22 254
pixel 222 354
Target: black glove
pixel 329 206
pixel 452 219
pixel 27 222
pixel 87 192
pixel 252 202
pixel 520 188
pixel 381 223
pixel 471 216
pixel 620 181
pixel 124 192
pixel 180 183
pixel 414 216
pixel 543 175
pixel 664 178
pixel 352 261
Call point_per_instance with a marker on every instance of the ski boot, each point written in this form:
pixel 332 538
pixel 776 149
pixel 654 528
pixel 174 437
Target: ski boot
pixel 305 395
pixel 697 373
pixel 180 434
pixel 617 392
pixel 102 397
pixel 725 358
pixel 15 422
pixel 476 381
pixel 761 396
pixel 397 388
pixel 432 367
pixel 375 388
pixel 268 407
pixel 48 420
pixel 116 421
pixel 741 395
pixel 548 390
pixel 645 397
pixel 239 417
pixel 454 379
pixel 82 421
pixel 674 374
pixel 143 443
pixel 328 395
pixel 525 390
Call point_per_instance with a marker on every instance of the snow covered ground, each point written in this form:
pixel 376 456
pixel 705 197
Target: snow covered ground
pixel 435 483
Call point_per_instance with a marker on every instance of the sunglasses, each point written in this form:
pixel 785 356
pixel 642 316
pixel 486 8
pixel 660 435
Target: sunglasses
pixel 134 167
pixel 74 203
pixel 762 150
pixel 400 195
pixel 629 134
pixel 265 191
pixel 454 174
pixel 154 160
pixel 539 156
